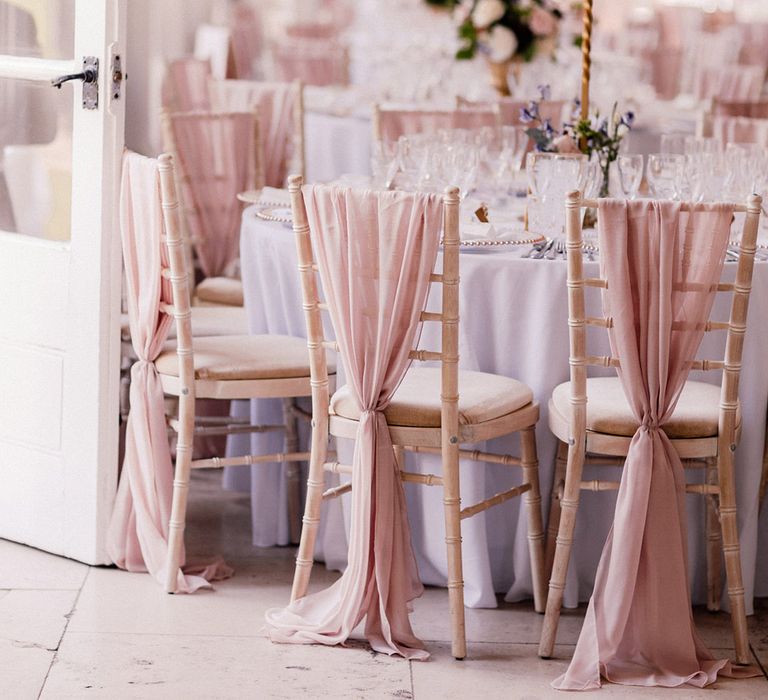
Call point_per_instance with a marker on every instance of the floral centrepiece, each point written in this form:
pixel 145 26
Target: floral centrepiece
pixel 503 30
pixel 596 135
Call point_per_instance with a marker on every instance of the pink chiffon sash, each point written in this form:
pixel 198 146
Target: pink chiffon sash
pixel 395 123
pixel 246 36
pixel 313 61
pixel 639 627
pixel 185 88
pixel 217 160
pixel 138 533
pixel 375 252
pixel 276 105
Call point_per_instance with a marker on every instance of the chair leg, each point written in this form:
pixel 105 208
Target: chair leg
pixel 714 544
pixel 568 507
pixel 452 511
pixel 764 474
pixel 182 471
pixel 311 519
pixel 730 529
pixel 292 471
pixel 554 507
pixel 530 464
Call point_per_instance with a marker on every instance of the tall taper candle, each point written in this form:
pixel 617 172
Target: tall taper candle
pixel 586 61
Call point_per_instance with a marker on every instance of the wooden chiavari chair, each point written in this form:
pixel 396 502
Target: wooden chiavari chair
pixel 225 368
pixel 273 102
pixel 427 415
pixel 216 290
pixel 593 423
pixel 389 123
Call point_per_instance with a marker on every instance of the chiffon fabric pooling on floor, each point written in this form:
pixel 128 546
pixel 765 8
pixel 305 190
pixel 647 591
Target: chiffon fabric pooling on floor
pixel 375 252
pixel 138 533
pixel 639 629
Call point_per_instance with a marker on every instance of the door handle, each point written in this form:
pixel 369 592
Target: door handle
pixel 87 76
pixel 90 77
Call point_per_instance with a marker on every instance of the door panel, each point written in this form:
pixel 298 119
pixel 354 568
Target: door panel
pixel 59 308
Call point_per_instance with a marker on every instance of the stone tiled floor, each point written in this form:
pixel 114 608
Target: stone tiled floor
pixel 71 631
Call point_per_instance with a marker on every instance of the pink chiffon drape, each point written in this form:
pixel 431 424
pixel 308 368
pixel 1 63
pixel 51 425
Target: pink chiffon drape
pixel 375 252
pixel 639 627
pixel 185 87
pixel 247 36
pixel 398 122
pixel 313 61
pixel 138 532
pixel 217 160
pixel 276 105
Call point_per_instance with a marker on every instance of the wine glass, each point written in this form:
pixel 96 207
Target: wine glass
pixel 630 169
pixel 673 144
pixel 664 173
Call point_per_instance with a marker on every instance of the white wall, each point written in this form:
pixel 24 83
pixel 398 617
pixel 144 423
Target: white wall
pixel 158 31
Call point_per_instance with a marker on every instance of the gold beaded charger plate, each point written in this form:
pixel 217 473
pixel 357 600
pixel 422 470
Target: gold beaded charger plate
pixel 271 212
pixel 250 196
pixel 520 238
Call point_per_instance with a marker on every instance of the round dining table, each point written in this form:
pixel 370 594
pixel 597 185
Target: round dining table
pixel 514 314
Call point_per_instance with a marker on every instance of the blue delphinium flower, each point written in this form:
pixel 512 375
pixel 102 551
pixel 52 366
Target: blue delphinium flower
pixel 628 119
pixel 525 116
pixel 544 91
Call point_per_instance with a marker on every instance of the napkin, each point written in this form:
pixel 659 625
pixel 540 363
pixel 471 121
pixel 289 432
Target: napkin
pixel 476 231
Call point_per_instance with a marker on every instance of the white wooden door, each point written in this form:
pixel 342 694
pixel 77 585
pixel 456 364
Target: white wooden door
pixel 59 276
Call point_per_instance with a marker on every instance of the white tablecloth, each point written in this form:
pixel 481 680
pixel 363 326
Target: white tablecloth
pixel 514 323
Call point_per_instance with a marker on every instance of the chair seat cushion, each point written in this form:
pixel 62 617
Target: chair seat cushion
pixel 240 357
pixel 416 403
pixel 224 291
pixel 608 412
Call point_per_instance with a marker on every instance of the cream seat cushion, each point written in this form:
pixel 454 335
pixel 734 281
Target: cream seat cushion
pixel 240 357
pixel 608 412
pixel 416 403
pixel 224 291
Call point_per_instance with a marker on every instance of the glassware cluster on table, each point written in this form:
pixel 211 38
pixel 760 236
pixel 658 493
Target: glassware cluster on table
pixel 703 170
pixel 486 161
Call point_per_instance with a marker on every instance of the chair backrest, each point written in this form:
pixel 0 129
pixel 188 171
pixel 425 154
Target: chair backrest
pixel 578 320
pixel 217 157
pixel 448 316
pixel 246 37
pixel 311 30
pixel 178 272
pixel 280 108
pixel 734 129
pixel 185 87
pixel 312 61
pixel 509 109
pixel 730 82
pixel 755 109
pixel 390 123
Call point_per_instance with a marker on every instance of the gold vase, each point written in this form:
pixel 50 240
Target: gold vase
pixel 499 76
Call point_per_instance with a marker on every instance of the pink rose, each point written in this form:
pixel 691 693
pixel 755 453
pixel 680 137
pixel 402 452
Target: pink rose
pixel 542 23
pixel 565 144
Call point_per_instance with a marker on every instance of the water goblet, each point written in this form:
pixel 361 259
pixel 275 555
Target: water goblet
pixel 630 169
pixel 664 173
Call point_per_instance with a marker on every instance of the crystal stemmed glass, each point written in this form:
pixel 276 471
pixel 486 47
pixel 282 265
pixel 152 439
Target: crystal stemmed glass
pixel 664 173
pixel 630 169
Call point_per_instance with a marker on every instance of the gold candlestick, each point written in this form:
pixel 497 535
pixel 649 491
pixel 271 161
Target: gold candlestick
pixel 586 61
